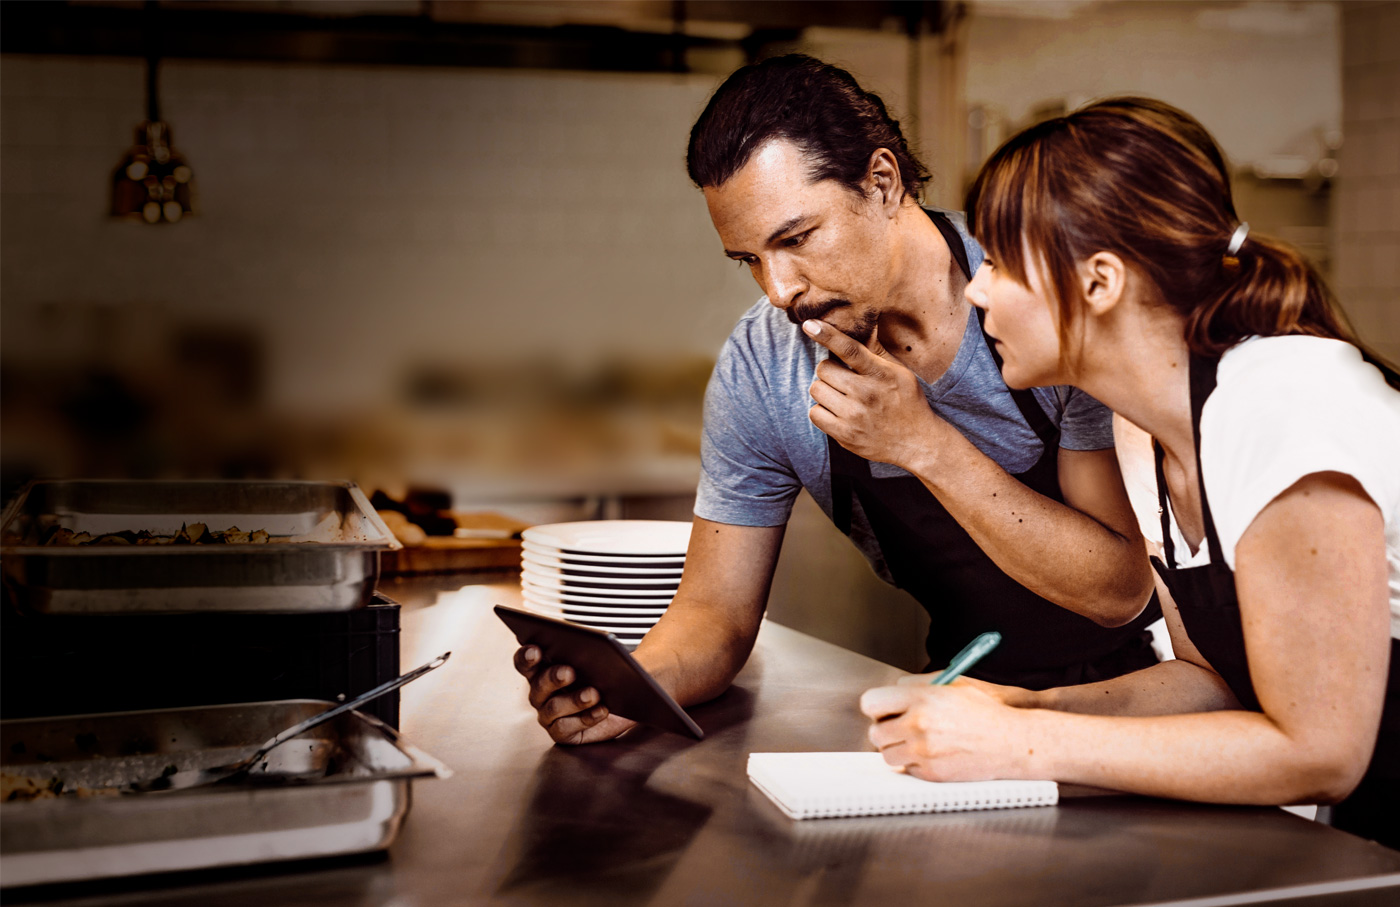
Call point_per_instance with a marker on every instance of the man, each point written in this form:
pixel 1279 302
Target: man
pixel 996 509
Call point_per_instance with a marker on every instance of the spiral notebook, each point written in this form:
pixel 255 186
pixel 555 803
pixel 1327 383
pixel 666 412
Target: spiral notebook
pixel 822 785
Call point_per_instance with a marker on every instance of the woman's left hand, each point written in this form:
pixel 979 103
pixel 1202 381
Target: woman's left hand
pixel 874 406
pixel 952 733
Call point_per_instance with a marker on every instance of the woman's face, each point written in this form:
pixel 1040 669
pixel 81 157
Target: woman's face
pixel 1022 320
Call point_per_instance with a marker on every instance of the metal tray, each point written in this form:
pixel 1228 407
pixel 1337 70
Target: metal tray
pixel 327 558
pixel 339 789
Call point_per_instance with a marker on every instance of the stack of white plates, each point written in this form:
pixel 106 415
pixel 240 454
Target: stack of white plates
pixel 615 575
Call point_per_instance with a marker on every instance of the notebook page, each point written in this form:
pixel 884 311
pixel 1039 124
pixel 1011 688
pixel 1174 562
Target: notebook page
pixel 817 785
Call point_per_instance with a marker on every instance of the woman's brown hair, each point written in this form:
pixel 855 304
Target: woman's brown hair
pixel 1144 180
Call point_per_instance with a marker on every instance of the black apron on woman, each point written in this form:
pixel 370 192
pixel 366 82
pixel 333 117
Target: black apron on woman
pixel 1210 612
pixel 964 592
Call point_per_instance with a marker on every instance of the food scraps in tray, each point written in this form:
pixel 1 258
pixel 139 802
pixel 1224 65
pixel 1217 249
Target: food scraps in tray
pixel 191 534
pixel 14 786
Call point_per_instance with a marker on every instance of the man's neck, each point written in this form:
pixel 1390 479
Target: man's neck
pixel 924 324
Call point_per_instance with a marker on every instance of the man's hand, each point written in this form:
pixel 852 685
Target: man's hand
pixel 873 407
pixel 571 714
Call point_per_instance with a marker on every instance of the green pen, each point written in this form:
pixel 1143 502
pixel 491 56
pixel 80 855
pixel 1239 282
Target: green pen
pixel 969 656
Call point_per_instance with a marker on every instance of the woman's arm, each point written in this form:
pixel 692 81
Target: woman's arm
pixel 1312 583
pixel 1185 684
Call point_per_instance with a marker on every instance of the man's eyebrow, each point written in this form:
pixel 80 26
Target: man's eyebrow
pixel 783 229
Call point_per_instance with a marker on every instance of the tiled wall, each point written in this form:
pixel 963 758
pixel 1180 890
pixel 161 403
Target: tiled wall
pixel 365 220
pixel 1367 212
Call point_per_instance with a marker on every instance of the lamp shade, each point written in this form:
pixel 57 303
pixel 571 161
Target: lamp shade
pixel 153 183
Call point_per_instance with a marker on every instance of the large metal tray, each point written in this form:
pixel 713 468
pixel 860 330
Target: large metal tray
pixel 327 560
pixel 339 789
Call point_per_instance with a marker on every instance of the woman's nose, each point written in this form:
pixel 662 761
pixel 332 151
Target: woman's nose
pixel 977 288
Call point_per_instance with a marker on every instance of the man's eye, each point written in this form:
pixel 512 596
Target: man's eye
pixel 794 241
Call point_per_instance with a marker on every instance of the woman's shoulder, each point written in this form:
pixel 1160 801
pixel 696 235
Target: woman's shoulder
pixel 1286 407
pixel 1291 370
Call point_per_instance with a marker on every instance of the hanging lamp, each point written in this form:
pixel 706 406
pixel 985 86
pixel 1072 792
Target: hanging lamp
pixel 153 184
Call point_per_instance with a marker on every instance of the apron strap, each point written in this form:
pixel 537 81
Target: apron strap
pixel 1202 383
pixel 954 241
pixel 846 468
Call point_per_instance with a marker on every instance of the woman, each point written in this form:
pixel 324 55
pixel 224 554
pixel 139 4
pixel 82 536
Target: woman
pixel 1116 263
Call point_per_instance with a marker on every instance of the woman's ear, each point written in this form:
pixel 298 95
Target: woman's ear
pixel 1102 278
pixel 883 181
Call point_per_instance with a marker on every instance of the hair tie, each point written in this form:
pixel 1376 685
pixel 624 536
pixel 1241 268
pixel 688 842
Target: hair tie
pixel 1231 259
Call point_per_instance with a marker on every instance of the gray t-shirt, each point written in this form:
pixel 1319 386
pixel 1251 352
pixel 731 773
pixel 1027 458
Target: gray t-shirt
pixel 759 448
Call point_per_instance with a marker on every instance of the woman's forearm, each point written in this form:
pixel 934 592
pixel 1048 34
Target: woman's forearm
pixel 1219 757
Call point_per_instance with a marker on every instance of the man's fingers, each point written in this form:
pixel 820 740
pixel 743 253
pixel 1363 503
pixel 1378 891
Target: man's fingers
pixel 527 660
pixel 885 702
pixel 860 359
pixel 546 682
pixel 566 703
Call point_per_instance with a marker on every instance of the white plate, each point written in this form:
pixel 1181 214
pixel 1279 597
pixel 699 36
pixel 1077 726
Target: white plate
pixel 592 585
pixel 639 613
pixel 626 584
pixel 626 538
pixel 658 561
pixel 603 598
pixel 601 571
pixel 573 589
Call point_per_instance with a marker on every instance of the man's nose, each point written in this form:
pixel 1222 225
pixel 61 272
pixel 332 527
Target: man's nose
pixel 785 285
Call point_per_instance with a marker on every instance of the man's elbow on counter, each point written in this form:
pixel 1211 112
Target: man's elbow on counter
pixel 1116 610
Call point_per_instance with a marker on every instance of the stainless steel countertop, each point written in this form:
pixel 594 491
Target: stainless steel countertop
pixel 658 819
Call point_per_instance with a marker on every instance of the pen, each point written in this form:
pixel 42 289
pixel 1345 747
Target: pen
pixel 969 656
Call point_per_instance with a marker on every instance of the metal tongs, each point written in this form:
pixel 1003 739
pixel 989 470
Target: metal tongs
pixel 198 777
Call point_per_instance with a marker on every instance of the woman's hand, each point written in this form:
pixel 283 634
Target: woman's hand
pixel 953 733
pixel 1016 697
pixel 873 406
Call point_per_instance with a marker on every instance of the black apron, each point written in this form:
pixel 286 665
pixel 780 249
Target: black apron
pixel 1210 612
pixel 965 593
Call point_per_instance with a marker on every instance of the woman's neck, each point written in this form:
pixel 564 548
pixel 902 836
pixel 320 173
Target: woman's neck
pixel 1141 369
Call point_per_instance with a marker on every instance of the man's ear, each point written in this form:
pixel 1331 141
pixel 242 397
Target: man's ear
pixel 882 182
pixel 1102 279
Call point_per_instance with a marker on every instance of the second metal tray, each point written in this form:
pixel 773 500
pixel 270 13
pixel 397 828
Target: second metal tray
pixel 344 788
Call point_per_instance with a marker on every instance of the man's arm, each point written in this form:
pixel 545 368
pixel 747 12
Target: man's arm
pixel 1086 555
pixel 1186 683
pixel 697 647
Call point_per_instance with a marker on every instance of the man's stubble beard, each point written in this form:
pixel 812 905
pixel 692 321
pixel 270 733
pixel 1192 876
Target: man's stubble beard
pixel 861 331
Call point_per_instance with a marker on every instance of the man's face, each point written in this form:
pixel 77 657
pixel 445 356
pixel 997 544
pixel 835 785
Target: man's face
pixel 816 249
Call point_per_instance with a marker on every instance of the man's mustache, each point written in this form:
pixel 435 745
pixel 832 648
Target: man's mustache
pixel 805 311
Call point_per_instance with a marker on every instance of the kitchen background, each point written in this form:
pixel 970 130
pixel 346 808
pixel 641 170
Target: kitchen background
pixel 453 246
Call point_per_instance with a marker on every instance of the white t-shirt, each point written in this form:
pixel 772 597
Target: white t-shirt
pixel 1287 407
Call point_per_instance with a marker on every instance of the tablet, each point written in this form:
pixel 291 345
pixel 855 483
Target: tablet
pixel 600 661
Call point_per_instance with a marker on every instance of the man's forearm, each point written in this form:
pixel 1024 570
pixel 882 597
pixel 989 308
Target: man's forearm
pixel 1172 687
pixel 694 652
pixel 1051 548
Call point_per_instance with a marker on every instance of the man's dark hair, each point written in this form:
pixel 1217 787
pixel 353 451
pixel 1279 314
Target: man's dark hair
pixel 817 106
